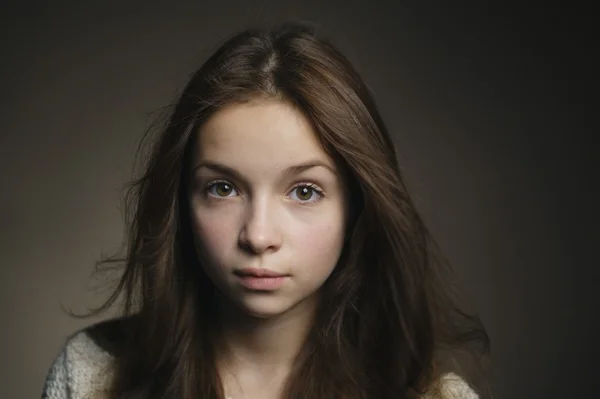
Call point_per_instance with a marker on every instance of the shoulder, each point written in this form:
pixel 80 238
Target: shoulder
pixel 83 368
pixel 452 386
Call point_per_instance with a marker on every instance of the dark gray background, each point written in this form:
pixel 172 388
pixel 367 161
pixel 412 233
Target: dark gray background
pixel 489 107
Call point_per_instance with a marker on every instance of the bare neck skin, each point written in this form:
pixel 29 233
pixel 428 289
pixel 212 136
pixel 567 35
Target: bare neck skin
pixel 257 355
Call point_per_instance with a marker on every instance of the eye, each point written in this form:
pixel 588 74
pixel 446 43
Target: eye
pixel 306 193
pixel 221 189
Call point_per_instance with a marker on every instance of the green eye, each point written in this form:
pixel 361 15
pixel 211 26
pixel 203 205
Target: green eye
pixel 220 189
pixel 223 189
pixel 304 193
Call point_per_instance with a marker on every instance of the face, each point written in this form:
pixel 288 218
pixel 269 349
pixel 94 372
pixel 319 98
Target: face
pixel 268 207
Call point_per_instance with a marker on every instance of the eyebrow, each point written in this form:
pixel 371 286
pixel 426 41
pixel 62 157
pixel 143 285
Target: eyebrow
pixel 290 171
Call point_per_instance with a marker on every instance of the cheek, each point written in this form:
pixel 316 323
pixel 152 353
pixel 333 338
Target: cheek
pixel 320 247
pixel 215 234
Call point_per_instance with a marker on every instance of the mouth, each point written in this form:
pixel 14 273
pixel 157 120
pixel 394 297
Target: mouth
pixel 260 279
pixel 255 272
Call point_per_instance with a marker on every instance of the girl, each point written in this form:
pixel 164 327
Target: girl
pixel 274 251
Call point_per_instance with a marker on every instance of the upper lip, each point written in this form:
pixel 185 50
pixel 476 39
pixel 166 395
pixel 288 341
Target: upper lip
pixel 257 272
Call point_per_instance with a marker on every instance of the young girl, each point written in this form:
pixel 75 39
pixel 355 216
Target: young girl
pixel 274 251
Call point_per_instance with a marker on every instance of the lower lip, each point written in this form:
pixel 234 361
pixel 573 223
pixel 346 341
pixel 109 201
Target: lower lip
pixel 262 283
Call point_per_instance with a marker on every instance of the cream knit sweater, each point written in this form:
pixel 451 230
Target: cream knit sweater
pixel 82 370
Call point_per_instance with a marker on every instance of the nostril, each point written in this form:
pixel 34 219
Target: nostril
pixel 245 246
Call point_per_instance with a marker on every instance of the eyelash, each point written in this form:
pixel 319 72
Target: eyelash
pixel 320 193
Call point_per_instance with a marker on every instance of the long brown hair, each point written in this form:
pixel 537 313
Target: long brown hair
pixel 389 324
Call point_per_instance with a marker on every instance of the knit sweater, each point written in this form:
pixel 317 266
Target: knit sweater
pixel 82 370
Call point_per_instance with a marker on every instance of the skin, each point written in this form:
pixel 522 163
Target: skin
pixel 265 195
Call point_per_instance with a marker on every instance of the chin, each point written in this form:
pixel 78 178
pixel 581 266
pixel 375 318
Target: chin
pixel 263 309
pixel 267 306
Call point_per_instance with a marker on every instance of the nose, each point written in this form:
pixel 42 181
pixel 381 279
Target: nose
pixel 260 232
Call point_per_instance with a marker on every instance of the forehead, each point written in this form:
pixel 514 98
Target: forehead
pixel 263 132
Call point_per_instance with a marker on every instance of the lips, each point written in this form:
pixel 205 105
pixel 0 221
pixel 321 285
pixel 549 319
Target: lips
pixel 255 272
pixel 260 279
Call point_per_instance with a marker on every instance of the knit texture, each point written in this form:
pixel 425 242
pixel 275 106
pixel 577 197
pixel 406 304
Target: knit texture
pixel 82 370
